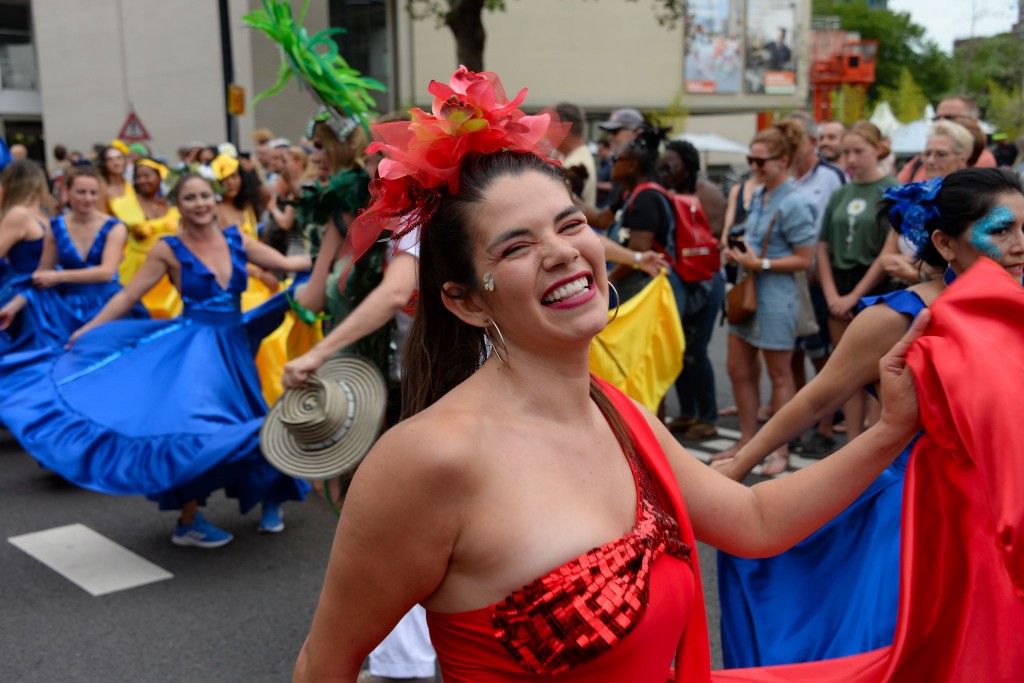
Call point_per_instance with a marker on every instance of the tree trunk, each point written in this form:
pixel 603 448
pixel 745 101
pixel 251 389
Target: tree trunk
pixel 465 19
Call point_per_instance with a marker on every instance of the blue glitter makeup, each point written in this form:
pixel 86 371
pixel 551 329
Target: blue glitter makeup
pixel 999 218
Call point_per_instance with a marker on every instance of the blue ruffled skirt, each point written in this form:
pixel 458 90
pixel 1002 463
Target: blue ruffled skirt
pixel 833 594
pixel 168 409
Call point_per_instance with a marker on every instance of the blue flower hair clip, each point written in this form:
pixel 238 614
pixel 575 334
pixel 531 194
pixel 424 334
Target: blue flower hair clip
pixel 913 205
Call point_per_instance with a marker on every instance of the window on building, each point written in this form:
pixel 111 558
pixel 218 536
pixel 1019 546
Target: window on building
pixel 364 45
pixel 17 55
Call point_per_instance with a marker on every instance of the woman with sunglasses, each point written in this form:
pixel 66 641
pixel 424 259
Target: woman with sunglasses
pixel 779 238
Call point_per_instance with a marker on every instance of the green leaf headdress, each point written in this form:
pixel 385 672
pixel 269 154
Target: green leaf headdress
pixel 314 61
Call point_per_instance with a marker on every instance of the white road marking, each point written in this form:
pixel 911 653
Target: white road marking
pixel 730 433
pixel 718 444
pixel 703 456
pixel 89 560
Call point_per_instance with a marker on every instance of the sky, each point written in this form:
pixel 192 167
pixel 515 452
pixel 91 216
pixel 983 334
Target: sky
pixel 953 20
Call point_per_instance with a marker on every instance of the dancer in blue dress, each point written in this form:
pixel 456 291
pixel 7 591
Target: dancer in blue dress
pixel 77 271
pixel 835 593
pixel 166 408
pixel 22 228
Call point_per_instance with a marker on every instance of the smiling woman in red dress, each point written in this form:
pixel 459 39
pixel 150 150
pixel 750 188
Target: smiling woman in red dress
pixel 545 521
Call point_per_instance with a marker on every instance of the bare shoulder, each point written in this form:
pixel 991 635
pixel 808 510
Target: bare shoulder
pixel 929 291
pixel 439 446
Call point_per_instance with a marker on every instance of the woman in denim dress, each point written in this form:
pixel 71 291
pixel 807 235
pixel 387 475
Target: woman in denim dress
pixel 786 218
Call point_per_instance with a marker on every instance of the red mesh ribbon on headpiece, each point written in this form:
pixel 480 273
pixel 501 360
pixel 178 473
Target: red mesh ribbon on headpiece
pixel 470 114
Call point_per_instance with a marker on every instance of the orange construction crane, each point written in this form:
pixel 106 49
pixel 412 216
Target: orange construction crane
pixel 839 58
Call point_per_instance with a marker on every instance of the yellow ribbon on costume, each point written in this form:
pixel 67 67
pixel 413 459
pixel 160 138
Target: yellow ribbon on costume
pixel 641 353
pixel 223 165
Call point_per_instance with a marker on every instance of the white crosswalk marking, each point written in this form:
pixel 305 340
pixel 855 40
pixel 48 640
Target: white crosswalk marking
pixel 704 450
pixel 88 559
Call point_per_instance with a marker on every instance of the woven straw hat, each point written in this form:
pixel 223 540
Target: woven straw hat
pixel 326 428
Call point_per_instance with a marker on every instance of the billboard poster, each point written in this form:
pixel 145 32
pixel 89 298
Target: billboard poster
pixel 713 46
pixel 770 47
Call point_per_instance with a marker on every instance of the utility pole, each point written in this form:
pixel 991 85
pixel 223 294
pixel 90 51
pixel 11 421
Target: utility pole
pixel 228 69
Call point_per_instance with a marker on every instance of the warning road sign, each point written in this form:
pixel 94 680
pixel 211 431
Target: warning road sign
pixel 133 130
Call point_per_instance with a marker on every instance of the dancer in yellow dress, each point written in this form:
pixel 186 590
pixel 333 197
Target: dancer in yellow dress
pixel 238 206
pixel 149 218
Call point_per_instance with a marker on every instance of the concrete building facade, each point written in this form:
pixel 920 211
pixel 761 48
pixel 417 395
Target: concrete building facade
pixel 99 60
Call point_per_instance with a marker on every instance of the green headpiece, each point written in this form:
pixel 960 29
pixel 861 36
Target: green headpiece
pixel 340 89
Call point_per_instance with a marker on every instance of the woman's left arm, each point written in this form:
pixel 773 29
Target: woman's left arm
pixel 772 516
pixel 269 258
pixel 113 253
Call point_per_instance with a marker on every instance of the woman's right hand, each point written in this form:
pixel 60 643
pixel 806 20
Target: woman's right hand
pixel 7 314
pixel 898 392
pixel 74 336
pixel 297 371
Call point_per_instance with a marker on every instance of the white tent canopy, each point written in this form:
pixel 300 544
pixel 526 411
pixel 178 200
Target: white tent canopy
pixel 710 142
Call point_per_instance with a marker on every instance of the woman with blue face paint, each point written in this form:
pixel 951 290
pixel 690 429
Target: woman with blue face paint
pixel 952 223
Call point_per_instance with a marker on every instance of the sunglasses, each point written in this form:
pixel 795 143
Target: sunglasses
pixel 669 168
pixel 949 117
pixel 760 161
pixel 114 155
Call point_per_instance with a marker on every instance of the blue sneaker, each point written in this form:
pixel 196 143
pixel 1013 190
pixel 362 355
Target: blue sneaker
pixel 272 519
pixel 200 534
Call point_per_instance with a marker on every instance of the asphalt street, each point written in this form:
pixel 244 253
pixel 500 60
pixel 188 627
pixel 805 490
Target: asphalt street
pixel 237 613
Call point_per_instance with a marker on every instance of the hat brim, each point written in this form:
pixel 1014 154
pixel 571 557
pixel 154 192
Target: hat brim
pixel 367 393
pixel 610 126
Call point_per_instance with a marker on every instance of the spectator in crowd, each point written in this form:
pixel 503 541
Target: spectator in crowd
pixel 574 152
pixel 851 240
pixel 623 126
pixel 948 149
pixel 1005 152
pixel 830 135
pixel 261 138
pixel 604 171
pixel 781 225
pixel 817 179
pixel 19 152
pixel 695 386
pixel 956 109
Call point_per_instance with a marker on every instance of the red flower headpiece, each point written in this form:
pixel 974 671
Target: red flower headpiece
pixel 470 114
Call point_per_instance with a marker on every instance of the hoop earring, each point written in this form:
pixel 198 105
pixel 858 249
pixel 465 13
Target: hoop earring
pixel 617 303
pixel 496 341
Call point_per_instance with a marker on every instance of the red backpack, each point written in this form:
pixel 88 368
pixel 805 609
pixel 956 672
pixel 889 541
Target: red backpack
pixel 692 250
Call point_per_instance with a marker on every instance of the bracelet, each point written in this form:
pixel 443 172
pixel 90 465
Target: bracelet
pixel 638 258
pixel 302 313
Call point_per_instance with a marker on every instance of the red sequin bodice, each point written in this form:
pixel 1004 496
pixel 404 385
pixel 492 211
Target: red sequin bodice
pixel 562 621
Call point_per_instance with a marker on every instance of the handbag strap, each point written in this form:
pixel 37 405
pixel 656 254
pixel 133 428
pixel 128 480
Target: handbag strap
pixel 771 225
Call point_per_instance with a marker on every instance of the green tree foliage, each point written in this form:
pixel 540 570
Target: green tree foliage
pixel 907 99
pixel 465 20
pixel 984 63
pixel 1005 109
pixel 901 44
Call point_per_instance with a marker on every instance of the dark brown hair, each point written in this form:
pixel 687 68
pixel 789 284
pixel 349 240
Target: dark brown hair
pixel 81 171
pixel 966 196
pixel 441 350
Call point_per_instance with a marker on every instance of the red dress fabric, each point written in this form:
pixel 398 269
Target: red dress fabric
pixel 961 611
pixel 627 611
